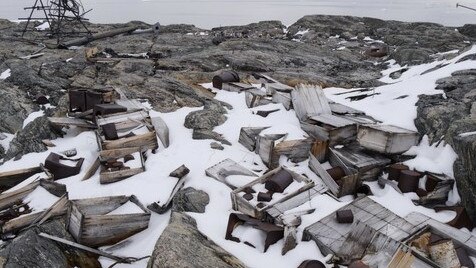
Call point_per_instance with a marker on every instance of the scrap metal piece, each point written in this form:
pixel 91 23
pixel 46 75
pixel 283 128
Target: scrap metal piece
pixel 266 113
pixel 108 108
pixel 438 196
pixel 462 219
pixel 395 170
pixel 264 197
pixel 110 131
pixel 180 172
pixel 345 216
pixel 273 233
pixel 60 170
pixel 408 181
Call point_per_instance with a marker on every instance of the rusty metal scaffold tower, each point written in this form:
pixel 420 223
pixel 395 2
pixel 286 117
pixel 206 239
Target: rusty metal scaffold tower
pixel 62 16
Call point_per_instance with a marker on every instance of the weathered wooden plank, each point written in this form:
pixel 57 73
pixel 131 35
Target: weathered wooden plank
pixel 331 121
pixel 249 135
pixel 256 97
pixel 115 176
pixel 64 121
pixel 236 87
pixel 8 179
pixel 88 249
pixel 317 168
pixel 12 197
pixel 99 205
pixel 363 162
pixel 283 98
pixel 92 169
pixel 342 109
pixel 120 117
pixel 356 242
pixel 309 100
pixel 145 141
pixel 117 153
pixel 162 130
pixel 265 149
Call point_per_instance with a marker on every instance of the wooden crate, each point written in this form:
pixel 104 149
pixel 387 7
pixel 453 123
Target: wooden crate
pixel 246 207
pixel 270 149
pixel 333 128
pixel 386 138
pixel 90 226
pixel 114 176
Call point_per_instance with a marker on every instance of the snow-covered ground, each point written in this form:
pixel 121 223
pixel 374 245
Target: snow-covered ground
pixel 155 184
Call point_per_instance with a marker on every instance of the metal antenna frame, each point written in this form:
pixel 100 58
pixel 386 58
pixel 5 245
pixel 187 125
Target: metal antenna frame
pixel 58 14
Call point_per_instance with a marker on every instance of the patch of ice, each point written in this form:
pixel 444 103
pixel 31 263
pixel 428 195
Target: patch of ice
pixel 43 26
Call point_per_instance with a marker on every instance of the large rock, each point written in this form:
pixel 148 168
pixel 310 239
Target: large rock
pixel 211 116
pixel 181 245
pixel 29 139
pixel 190 200
pixel 33 251
pixel 14 108
pixel 465 171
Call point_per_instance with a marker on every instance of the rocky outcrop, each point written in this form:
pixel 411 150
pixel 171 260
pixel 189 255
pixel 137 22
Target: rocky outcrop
pixel 181 245
pixel 449 118
pixel 29 139
pixel 14 108
pixel 31 250
pixel 190 200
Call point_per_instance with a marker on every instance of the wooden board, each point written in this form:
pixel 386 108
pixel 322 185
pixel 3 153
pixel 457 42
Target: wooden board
pixel 309 101
pixel 162 130
pixel 147 141
pixel 283 98
pixel 256 97
pixel 64 122
pixel 249 135
pixel 342 109
pixel 8 179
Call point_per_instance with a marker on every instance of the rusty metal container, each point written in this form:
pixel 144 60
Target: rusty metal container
pixel 93 98
pixel 311 264
pixel 279 181
pixel 345 216
pixel 77 100
pixel 358 264
pixel 265 197
pixel 395 170
pixel 336 173
pixel 408 181
pixel 431 182
pixel 109 108
pixel 225 77
pixel 110 131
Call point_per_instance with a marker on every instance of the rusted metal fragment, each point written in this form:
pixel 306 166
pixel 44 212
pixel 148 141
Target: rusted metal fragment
pixel 345 216
pixel 395 170
pixel 279 181
pixel 408 181
pixel 60 170
pixel 273 233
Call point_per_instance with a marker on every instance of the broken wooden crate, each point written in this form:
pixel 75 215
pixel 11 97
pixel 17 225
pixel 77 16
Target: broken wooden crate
pixel 90 221
pixel 386 139
pixel 8 179
pixel 270 147
pixel 329 127
pixel 369 165
pixel 15 214
pixel 276 206
pixel 115 131
pixel 340 179
pixel 236 87
pixel 346 242
pixel 116 164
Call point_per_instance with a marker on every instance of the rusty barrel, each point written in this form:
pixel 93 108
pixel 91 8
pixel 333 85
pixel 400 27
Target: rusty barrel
pixel 265 197
pixel 311 264
pixel 225 77
pixel 336 173
pixel 358 264
pixel 345 216
pixel 408 181
pixel 395 170
pixel 279 181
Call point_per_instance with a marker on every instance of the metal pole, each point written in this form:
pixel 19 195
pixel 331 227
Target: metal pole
pixel 463 6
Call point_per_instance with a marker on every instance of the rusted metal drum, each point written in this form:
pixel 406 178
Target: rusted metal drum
pixel 395 170
pixel 279 181
pixel 311 264
pixel 431 182
pixel 265 197
pixel 345 216
pixel 336 173
pixel 248 196
pixel 225 77
pixel 408 181
pixel 364 189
